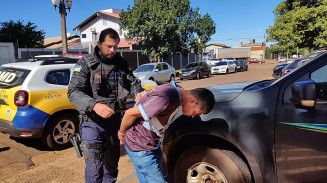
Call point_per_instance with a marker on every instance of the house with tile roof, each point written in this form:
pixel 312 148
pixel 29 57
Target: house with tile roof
pixel 91 27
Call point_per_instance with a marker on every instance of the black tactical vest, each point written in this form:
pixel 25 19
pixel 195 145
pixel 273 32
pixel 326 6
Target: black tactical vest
pixel 108 82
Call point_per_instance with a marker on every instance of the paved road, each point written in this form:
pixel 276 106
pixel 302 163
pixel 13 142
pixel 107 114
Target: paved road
pixel 28 160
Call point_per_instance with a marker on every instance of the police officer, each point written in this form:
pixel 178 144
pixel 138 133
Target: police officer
pixel 98 87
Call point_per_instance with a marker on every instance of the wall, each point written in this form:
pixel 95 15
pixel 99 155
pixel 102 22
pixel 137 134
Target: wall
pixel 24 53
pixel 257 54
pixel 7 53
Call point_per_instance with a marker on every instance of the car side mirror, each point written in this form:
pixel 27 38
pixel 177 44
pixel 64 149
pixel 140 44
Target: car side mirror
pixel 304 93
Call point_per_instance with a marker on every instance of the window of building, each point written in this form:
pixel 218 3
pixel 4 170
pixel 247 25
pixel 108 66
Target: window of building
pixel 83 35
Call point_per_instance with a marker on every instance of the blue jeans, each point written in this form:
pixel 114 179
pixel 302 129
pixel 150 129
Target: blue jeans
pixel 148 165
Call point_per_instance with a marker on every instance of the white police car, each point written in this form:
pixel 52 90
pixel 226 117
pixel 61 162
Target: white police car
pixel 34 103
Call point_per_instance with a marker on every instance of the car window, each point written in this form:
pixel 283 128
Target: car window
pixel 158 67
pixel 58 77
pixel 221 63
pixel 11 77
pixel 192 65
pixel 144 68
pixel 165 66
pixel 320 77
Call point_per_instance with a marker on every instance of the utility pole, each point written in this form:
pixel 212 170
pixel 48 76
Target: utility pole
pixel 63 14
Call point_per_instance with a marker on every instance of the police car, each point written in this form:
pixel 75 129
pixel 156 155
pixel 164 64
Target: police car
pixel 34 103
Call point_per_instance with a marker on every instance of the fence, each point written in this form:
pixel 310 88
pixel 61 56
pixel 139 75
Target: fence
pixel 135 58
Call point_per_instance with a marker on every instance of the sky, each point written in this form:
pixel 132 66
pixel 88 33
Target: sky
pixel 236 20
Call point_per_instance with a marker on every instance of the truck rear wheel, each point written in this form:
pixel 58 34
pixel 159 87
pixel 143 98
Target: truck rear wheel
pixel 203 164
pixel 59 131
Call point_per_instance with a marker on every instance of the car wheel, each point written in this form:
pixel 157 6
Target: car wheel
pixel 151 79
pixel 242 69
pixel 260 62
pixel 172 78
pixel 180 78
pixel 209 74
pixel 203 164
pixel 227 71
pixel 197 76
pixel 59 131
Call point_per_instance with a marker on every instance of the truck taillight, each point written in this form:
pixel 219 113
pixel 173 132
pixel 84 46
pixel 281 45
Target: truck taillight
pixel 21 98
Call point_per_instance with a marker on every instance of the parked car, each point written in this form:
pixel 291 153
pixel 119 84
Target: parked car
pixel 241 65
pixel 299 62
pixel 223 67
pixel 34 103
pixel 278 70
pixel 212 61
pixel 282 59
pixel 265 131
pixel 195 70
pixel 160 71
pixel 293 65
pixel 254 60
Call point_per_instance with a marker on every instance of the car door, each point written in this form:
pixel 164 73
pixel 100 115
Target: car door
pixel 301 132
pixel 158 72
pixel 232 66
pixel 203 71
pixel 165 72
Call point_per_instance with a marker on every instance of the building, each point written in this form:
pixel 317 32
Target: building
pixel 212 49
pixel 73 42
pixel 257 49
pixel 91 27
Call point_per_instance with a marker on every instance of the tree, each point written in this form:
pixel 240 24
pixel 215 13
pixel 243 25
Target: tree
pixel 24 35
pixel 300 24
pixel 165 26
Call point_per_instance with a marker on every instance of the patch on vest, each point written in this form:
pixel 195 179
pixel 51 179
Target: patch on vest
pixel 78 68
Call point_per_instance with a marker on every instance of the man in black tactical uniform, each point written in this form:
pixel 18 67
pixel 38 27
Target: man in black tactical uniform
pixel 98 87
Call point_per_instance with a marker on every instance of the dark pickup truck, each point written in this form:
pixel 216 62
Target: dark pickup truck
pixel 266 131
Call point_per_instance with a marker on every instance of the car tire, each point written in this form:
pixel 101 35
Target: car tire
pixel 172 78
pixel 242 69
pixel 227 71
pixel 151 79
pixel 180 78
pixel 203 164
pixel 59 131
pixel 209 74
pixel 197 76
pixel 260 62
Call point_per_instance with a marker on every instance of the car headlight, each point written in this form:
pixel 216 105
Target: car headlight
pixel 142 77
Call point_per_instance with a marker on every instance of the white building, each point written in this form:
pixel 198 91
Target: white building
pixel 91 27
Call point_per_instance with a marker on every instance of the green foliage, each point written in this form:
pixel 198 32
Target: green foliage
pixel 284 51
pixel 300 23
pixel 25 35
pixel 166 26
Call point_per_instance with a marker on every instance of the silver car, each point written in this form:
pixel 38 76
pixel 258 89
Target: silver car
pixel 160 71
